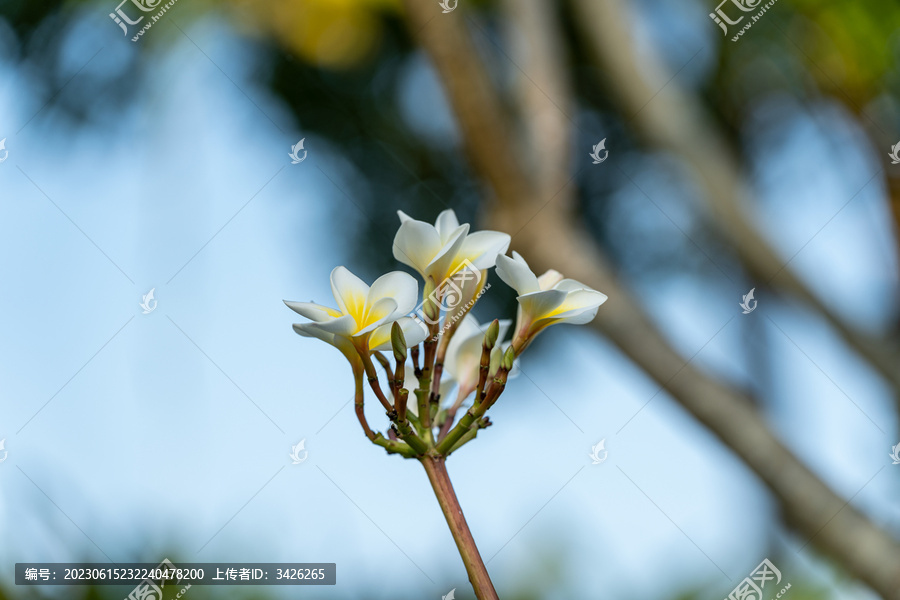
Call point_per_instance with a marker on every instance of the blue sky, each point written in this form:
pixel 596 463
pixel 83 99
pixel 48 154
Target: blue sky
pixel 131 434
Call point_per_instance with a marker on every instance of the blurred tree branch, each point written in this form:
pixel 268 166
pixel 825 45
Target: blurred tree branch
pixel 672 119
pixel 543 92
pixel 548 229
pixel 486 129
pixel 809 505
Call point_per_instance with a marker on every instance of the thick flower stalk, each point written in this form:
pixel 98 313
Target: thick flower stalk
pixel 438 348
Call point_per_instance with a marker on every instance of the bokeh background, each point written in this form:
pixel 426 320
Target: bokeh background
pixel 163 164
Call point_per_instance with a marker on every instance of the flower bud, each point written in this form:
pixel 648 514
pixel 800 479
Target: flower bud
pixel 508 358
pixel 493 332
pixel 398 342
pixel 432 311
pixel 496 359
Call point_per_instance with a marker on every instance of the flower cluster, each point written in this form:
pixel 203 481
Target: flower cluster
pixel 437 345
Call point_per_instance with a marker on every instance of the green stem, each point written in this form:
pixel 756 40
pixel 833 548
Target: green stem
pixel 423 393
pixel 406 433
pixel 455 434
pixel 394 446
pixel 410 437
pixel 465 543
pixel 466 438
pixel 372 374
pixel 359 404
pixel 470 419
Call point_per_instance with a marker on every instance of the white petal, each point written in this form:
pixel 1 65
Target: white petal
pixel 516 274
pixel 404 217
pixel 469 329
pixel 339 342
pixel 345 325
pixel 579 307
pixel 414 332
pixel 537 305
pixel 551 279
pixel 382 311
pixel 400 286
pixel 482 247
pixel 439 266
pixel 466 329
pixel 446 224
pixel 578 317
pixel 349 291
pixel 313 311
pixel 570 285
pixel 465 361
pixel 380 340
pixel 416 243
pixel 464 350
pixel 314 331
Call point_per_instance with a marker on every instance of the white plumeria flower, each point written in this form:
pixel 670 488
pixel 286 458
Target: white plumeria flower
pixel 545 300
pixel 437 251
pixel 463 359
pixel 364 313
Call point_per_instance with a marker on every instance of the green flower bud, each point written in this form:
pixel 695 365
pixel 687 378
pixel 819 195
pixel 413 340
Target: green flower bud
pixel 398 341
pixel 493 332
pixel 496 359
pixel 508 359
